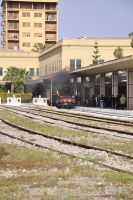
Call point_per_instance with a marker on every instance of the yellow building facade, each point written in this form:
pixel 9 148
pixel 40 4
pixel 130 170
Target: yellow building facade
pixel 27 23
pixel 70 54
pixel 75 57
pixel 19 59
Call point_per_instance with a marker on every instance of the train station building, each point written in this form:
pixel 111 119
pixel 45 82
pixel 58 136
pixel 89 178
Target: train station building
pixel 68 56
pixel 74 57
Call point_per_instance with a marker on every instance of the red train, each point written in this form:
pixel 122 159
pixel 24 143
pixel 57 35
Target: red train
pixel 64 97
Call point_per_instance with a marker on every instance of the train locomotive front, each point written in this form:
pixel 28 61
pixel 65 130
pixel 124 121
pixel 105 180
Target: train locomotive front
pixel 65 97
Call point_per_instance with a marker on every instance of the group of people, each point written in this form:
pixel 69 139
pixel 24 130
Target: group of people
pixel 103 101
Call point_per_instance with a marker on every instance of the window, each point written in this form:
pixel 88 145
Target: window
pixel 101 61
pixel 57 66
pixel 25 5
pixel 25 44
pixel 25 14
pixel 25 34
pixel 37 34
pixel 10 5
pixel 52 67
pixel 1 71
pixel 37 72
pixel 37 14
pixel 34 5
pixel 60 65
pixel 72 64
pixel 46 69
pixel 49 69
pixel 31 71
pixel 38 25
pixel 78 64
pixel 25 24
pixel 38 5
pixel 13 25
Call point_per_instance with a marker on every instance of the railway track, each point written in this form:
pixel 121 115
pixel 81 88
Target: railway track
pixel 87 117
pixel 76 125
pixel 67 147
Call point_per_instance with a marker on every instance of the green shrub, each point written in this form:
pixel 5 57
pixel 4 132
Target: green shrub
pixel 25 96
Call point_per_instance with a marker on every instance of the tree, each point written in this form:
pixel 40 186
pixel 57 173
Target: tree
pixel 39 47
pixel 17 77
pixel 118 53
pixel 12 74
pixel 2 88
pixel 132 43
pixel 96 56
pixel 24 77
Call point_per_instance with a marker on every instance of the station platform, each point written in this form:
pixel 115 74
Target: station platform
pixel 107 112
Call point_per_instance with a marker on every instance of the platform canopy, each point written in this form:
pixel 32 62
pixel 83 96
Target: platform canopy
pixel 111 65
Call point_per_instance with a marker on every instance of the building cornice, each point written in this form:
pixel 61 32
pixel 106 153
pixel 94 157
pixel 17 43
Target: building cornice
pixel 42 1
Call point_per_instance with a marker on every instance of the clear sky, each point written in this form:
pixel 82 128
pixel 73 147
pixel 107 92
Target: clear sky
pixel 94 18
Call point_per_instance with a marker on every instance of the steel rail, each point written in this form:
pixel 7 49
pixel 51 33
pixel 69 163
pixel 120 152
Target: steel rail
pixel 55 150
pixel 80 124
pixel 66 141
pixel 87 117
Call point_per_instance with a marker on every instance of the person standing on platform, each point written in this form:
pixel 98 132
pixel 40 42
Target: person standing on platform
pixel 101 102
pixel 117 101
pixel 97 99
pixel 112 101
pixel 105 101
pixel 123 101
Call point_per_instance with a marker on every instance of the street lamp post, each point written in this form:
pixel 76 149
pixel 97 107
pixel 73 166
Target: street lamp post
pixel 51 91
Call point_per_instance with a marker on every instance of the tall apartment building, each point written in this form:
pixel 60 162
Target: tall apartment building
pixel 29 22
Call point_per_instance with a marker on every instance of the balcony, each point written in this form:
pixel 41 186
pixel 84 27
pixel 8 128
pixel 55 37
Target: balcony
pixel 13 27
pixel 13 7
pixel 50 8
pixel 2 32
pixel 13 46
pixel 50 18
pixel 2 42
pixel 13 38
pixel 13 18
pixel 48 29
pixel 49 39
pixel 1 14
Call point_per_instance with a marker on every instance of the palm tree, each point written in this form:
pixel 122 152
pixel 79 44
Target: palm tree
pixel 39 47
pixel 24 77
pixel 12 74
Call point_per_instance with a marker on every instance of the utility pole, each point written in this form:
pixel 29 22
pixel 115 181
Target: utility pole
pixel 51 92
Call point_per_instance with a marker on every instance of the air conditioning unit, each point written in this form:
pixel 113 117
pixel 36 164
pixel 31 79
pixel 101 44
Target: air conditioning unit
pixel 15 47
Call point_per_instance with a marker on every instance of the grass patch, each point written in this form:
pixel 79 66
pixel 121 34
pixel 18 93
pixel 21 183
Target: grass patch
pixel 119 177
pixel 124 195
pixel 44 128
pixel 73 135
pixel 3 152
